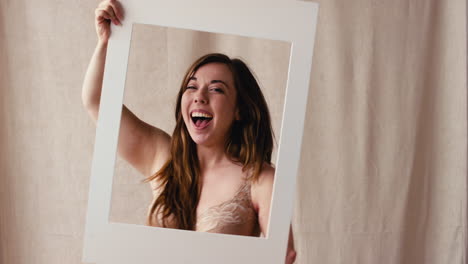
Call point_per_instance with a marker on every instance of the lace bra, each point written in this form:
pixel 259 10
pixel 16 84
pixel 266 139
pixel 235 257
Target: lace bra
pixel 236 216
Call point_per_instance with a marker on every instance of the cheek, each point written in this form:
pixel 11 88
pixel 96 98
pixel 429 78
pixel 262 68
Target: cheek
pixel 232 105
pixel 227 108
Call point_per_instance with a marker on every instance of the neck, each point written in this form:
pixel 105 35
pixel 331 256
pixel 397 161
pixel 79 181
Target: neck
pixel 211 156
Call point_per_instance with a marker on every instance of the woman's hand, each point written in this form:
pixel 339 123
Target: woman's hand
pixel 108 11
pixel 291 253
pixel 290 256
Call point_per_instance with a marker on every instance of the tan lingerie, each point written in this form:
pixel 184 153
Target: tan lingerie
pixel 236 216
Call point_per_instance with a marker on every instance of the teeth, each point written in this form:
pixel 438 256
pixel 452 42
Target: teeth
pixel 200 114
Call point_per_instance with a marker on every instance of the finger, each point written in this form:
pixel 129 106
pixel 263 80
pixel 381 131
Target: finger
pixel 106 6
pixel 105 18
pixel 104 3
pixel 104 13
pixel 118 10
pixel 111 12
pixel 116 14
pixel 290 257
pixel 114 7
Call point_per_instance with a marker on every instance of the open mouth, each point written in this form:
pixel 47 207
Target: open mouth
pixel 201 119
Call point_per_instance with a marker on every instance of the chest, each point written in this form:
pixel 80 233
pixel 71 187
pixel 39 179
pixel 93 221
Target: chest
pixel 226 207
pixel 219 190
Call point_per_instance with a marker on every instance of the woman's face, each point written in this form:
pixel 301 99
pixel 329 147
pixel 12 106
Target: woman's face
pixel 209 104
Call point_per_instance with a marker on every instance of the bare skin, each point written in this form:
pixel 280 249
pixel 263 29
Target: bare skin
pixel 147 147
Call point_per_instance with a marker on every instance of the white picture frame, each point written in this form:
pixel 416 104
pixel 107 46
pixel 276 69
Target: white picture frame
pixel 285 20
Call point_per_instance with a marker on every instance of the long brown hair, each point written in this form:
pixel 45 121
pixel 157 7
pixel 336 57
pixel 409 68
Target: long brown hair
pixel 250 143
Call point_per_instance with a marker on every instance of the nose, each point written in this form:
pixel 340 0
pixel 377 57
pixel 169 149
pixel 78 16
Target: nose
pixel 200 100
pixel 200 97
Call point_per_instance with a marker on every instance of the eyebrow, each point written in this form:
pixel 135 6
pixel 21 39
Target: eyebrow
pixel 212 81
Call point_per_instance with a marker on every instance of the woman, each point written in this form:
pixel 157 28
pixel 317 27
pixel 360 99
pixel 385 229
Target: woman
pixel 214 173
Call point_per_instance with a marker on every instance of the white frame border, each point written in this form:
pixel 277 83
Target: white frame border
pixel 291 21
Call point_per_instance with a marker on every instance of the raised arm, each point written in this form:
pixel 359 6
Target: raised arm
pixel 145 147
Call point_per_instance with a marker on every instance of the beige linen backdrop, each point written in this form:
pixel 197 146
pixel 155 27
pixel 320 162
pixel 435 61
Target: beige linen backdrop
pixel 383 169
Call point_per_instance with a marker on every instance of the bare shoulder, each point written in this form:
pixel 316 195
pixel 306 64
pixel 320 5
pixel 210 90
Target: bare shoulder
pixel 262 189
pixel 261 192
pixel 266 175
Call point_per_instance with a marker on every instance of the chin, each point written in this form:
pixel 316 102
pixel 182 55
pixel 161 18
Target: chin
pixel 204 137
pixel 199 139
